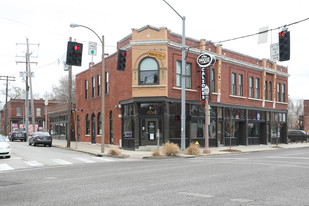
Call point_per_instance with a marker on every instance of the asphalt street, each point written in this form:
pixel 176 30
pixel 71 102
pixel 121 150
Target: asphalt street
pixel 259 178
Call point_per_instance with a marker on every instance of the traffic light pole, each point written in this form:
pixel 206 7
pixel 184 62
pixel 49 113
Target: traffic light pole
pixel 69 105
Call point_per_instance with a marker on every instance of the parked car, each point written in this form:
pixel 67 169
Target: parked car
pixel 41 138
pixel 297 136
pixel 5 148
pixel 18 134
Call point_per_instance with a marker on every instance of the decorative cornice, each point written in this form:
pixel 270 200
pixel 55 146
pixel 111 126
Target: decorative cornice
pixel 198 51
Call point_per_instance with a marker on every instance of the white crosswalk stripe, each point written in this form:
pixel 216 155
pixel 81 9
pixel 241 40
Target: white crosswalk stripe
pixel 34 164
pixel 104 159
pixel 84 160
pixel 61 162
pixel 4 167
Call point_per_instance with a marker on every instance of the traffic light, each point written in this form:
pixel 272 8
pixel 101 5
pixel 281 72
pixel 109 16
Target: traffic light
pixel 74 53
pixel 284 45
pixel 122 58
pixel 177 117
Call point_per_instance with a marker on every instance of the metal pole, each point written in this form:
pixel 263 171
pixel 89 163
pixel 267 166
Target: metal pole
pixel 69 106
pixel 103 99
pixel 27 90
pixel 206 150
pixel 183 88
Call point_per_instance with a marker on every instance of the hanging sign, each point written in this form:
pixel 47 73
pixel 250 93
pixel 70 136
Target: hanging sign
pixel 205 60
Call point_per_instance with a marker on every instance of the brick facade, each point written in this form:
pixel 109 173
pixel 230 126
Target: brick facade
pixel 306 115
pixel 128 90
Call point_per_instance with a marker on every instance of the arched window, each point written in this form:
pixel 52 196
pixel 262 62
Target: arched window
pixel 99 130
pixel 148 71
pixel 87 125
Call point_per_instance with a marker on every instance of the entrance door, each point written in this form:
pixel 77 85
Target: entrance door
pixel 93 140
pixel 151 126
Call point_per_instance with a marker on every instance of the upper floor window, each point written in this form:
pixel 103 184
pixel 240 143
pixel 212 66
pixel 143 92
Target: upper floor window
pixel 266 90
pixel 106 82
pixel 93 87
pixel 283 92
pixel 188 74
pixel 86 89
pixel 38 112
pixel 148 71
pixel 212 80
pixel 257 88
pixel 251 92
pixel 233 84
pixel 240 85
pixel 98 85
pixel 270 91
pixel 18 111
pixel 278 92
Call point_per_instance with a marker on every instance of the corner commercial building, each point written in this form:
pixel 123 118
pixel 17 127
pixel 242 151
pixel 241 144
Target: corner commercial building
pixel 143 103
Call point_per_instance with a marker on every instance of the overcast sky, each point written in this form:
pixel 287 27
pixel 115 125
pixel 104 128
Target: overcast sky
pixel 48 23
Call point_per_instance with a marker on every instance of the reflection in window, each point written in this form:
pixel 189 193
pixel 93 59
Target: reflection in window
pixel 128 128
pixel 149 71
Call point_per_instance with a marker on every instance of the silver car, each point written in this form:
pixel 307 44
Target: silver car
pixel 43 138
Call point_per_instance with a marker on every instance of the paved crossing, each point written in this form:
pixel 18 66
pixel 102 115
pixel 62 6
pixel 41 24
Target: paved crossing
pixel 16 163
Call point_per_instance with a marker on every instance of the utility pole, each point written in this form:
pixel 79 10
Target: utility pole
pixel 7 78
pixel 69 105
pixel 27 74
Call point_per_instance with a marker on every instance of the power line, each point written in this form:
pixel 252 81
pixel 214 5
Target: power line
pixel 261 32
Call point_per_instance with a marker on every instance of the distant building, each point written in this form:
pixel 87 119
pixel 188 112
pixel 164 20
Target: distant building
pixel 249 96
pixel 16 114
pixel 306 115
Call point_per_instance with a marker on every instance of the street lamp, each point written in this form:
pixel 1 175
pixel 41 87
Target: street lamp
pixel 103 84
pixel 183 82
pixel 206 150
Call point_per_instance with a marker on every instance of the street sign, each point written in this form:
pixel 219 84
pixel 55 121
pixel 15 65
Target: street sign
pixel 205 60
pixel 156 55
pixel 92 48
pixel 274 52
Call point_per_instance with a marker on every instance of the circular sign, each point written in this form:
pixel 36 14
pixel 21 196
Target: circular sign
pixel 205 60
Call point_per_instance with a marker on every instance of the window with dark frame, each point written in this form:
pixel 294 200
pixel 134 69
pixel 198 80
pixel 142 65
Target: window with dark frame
pixel 86 89
pixel 188 74
pixel 266 90
pixel 106 82
pixel 283 92
pixel 240 85
pixel 87 125
pixel 212 80
pixel 278 92
pixel 251 91
pixel 98 85
pixel 270 91
pixel 93 87
pixel 257 88
pixel 233 84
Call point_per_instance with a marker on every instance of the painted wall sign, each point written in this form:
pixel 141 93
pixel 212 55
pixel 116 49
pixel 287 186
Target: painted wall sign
pixel 156 55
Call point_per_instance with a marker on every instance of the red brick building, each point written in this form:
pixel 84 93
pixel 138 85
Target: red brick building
pixel 16 114
pixel 248 95
pixel 306 115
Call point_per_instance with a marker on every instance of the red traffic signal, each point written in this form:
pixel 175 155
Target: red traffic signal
pixel 74 54
pixel 284 45
pixel 122 58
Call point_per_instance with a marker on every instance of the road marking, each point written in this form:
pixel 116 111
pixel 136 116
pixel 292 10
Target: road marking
pixel 241 200
pixel 84 160
pixel 104 159
pixel 4 167
pixel 34 164
pixel 61 162
pixel 196 194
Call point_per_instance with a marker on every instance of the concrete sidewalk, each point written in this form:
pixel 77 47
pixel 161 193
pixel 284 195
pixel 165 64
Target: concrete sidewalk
pixel 146 152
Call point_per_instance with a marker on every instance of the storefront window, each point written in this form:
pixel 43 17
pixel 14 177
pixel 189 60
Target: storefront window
pixel 128 128
pixel 220 112
pixel 151 109
pixel 128 110
pixel 194 110
pixel 253 130
pixel 197 128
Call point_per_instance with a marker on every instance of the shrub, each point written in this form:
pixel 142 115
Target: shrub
pixel 170 149
pixel 114 151
pixel 193 149
pixel 156 153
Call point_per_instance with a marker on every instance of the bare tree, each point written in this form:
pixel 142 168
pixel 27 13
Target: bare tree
pixel 296 109
pixel 60 92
